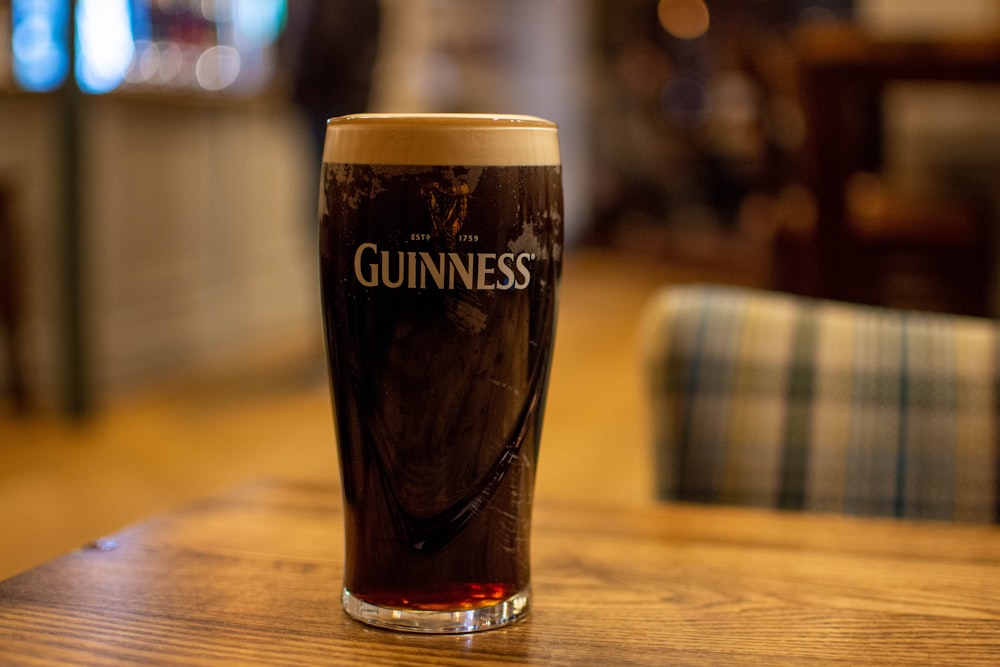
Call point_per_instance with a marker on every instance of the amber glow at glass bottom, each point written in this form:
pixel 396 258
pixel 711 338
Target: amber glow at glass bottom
pixel 453 610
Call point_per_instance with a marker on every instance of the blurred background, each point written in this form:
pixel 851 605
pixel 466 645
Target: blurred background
pixel 159 164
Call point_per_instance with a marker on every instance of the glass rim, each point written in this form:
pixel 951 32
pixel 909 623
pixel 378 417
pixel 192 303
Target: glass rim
pixel 444 120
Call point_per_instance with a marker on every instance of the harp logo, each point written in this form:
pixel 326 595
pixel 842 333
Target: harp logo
pixel 449 206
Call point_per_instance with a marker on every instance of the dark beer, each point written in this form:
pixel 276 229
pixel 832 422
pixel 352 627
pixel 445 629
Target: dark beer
pixel 439 293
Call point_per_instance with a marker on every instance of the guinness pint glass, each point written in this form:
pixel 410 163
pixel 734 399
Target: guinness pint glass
pixel 440 254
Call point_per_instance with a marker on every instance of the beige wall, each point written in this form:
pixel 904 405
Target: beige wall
pixel 198 222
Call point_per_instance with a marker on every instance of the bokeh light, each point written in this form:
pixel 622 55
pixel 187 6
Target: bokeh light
pixel 218 67
pixel 259 21
pixel 104 44
pixel 173 45
pixel 38 43
pixel 684 19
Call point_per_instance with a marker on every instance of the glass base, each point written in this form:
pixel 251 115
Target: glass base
pixel 461 621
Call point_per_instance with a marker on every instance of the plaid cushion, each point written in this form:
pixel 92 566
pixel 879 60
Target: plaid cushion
pixel 768 399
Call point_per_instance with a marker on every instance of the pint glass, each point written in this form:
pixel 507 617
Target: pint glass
pixel 440 257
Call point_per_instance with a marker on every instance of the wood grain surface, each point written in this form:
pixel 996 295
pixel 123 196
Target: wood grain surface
pixel 253 577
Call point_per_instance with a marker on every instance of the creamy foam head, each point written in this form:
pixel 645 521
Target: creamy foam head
pixel 441 140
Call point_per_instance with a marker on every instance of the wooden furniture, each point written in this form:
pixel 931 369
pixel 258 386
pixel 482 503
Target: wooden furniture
pixel 843 75
pixel 12 310
pixel 253 577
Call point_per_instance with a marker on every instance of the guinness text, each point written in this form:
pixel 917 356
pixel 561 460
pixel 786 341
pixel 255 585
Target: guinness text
pixel 441 270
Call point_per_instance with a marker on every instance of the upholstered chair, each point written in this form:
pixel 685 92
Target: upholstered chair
pixel 767 399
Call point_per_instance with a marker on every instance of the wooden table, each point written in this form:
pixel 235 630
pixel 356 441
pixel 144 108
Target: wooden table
pixel 253 577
